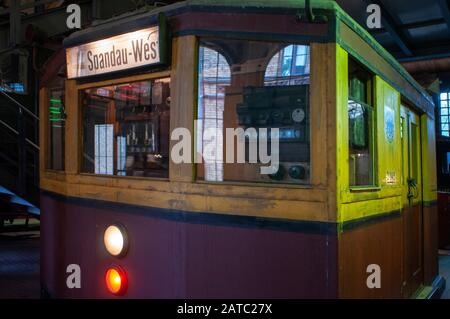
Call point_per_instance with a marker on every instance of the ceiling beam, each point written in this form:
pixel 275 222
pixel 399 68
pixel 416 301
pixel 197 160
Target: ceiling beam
pixel 414 25
pixel 438 51
pixel 445 11
pixel 389 24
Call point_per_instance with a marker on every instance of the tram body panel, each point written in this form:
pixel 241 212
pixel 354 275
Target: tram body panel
pixel 188 255
pixel 192 238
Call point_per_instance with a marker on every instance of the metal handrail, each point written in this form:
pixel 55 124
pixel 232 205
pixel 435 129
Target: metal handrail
pixel 17 133
pixel 20 105
pixel 11 162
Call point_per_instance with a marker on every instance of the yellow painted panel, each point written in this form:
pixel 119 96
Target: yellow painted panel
pixel 387 101
pixel 385 195
pixel 342 148
pixel 368 208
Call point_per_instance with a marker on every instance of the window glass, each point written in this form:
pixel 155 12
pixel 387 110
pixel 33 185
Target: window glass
pixel 445 114
pixel 282 71
pixel 56 125
pixel 360 124
pixel 258 91
pixel 126 129
pixel 214 77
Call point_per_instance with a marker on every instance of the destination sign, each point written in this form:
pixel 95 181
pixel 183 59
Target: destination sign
pixel 117 53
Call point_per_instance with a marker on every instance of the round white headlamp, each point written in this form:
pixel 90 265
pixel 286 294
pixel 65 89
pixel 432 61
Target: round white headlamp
pixel 115 240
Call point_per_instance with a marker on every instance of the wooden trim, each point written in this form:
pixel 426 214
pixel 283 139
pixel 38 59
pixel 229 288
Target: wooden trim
pixel 53 174
pixel 182 110
pixel 204 218
pixel 152 179
pixel 221 190
pixel 73 131
pixel 304 205
pixel 323 121
pixel 127 79
pixel 261 184
pixel 320 55
pixel 73 109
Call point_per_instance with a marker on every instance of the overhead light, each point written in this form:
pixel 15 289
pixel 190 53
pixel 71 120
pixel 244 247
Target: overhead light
pixel 116 240
pixel 116 280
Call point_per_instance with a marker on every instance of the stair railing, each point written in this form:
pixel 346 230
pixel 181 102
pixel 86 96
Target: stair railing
pixel 23 142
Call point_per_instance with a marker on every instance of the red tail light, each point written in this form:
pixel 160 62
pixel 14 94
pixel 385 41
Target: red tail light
pixel 116 280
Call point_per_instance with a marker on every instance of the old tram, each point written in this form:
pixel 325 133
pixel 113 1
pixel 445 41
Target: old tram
pixel 354 193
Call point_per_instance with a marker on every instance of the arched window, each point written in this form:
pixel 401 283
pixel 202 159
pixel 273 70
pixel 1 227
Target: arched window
pixel 251 128
pixel 289 66
pixel 214 75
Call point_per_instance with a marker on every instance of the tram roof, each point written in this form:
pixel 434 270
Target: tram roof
pixel 145 17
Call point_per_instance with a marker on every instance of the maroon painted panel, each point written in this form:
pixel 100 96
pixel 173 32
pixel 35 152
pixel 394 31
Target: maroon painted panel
pixel 174 259
pixel 247 22
pixel 52 234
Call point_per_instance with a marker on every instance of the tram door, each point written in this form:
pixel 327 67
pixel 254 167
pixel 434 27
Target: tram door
pixel 412 202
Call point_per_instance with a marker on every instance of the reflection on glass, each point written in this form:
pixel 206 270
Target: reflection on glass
pixel 253 85
pixel 360 124
pixel 56 122
pixel 104 142
pixel 282 70
pixel 126 129
pixel 360 158
pixel 214 76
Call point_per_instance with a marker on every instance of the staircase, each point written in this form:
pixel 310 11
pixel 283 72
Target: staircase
pixel 19 162
pixel 13 207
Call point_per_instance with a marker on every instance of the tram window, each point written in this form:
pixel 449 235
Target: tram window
pixel 126 129
pixel 361 125
pixel 56 125
pixel 254 88
pixel 445 113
